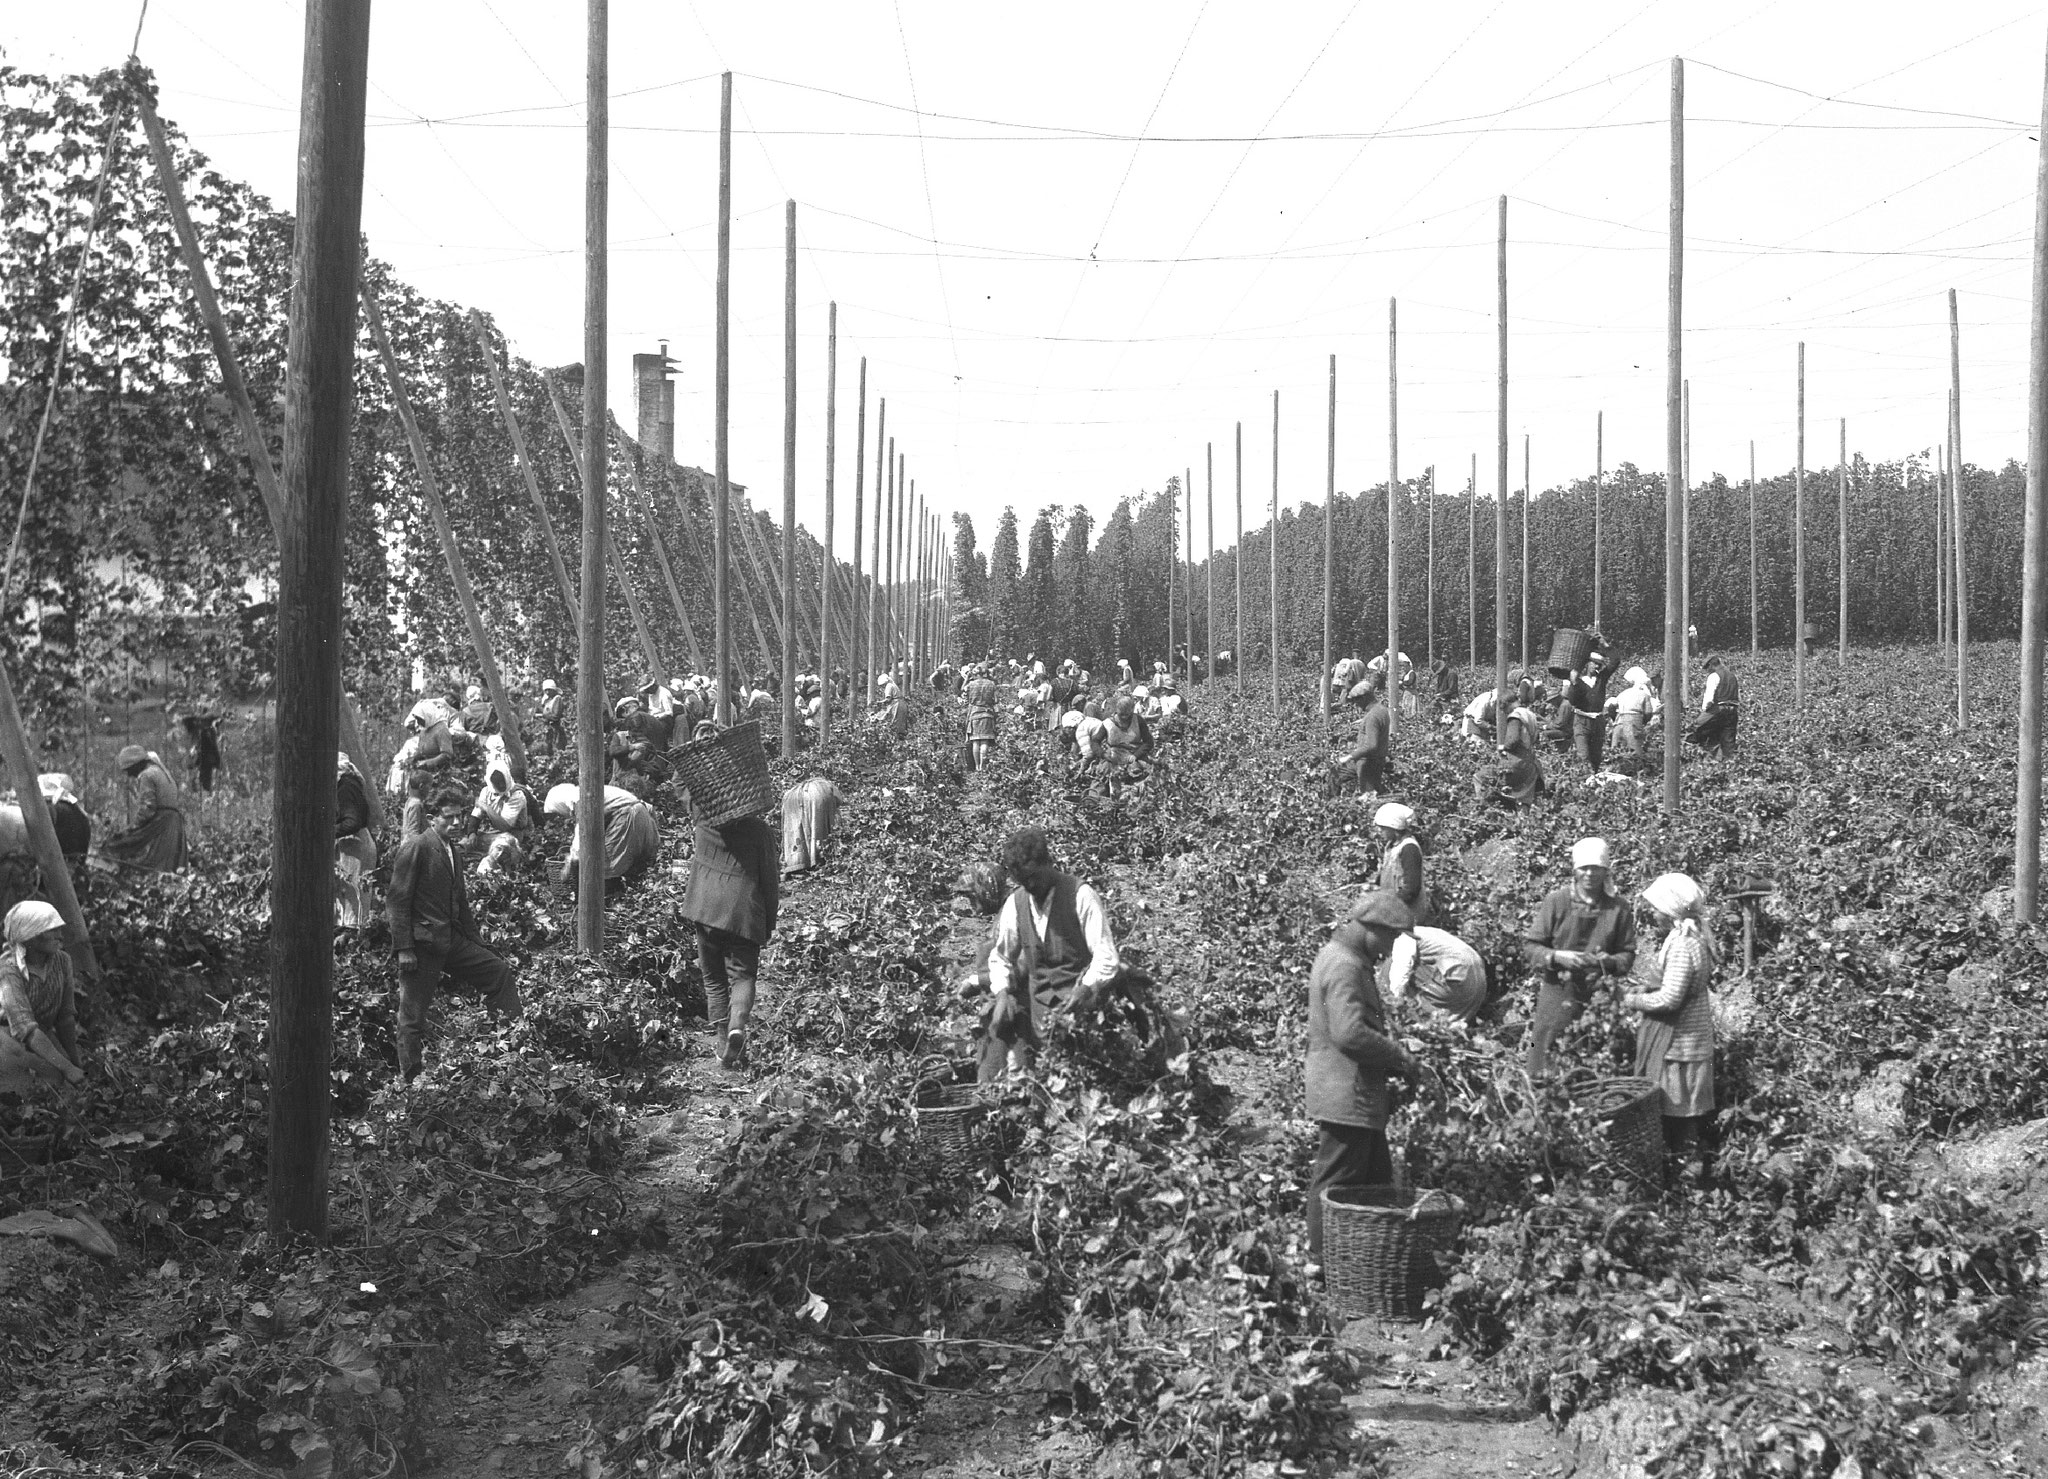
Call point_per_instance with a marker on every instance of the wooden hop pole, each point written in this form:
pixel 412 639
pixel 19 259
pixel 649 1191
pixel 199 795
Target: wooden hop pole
pixel 1188 570
pixel 1674 446
pixel 721 523
pixel 1799 548
pixel 885 461
pixel 825 563
pixel 319 409
pixel 789 481
pixel 1755 637
pixel 2034 563
pixel 1172 560
pixel 1599 470
pixel 1273 559
pixel 1209 565
pixel 1429 571
pixel 1393 683
pixel 1237 578
pixel 858 653
pixel 590 685
pixel 1329 548
pixel 1500 506
pixel 1842 552
pixel 1527 488
pixel 1957 522
pixel 1472 567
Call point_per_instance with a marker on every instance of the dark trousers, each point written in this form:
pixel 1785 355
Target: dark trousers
pixel 1558 1005
pixel 466 963
pixel 1716 733
pixel 1346 1155
pixel 730 963
pixel 1589 738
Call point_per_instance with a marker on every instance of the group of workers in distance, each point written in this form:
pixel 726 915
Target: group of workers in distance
pixel 1579 711
pixel 1105 735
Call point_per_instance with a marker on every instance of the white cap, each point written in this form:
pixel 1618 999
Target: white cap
pixel 1590 852
pixel 1394 814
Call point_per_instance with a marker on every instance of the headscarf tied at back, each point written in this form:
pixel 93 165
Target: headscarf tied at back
pixel 1676 896
pixel 25 921
pixel 130 755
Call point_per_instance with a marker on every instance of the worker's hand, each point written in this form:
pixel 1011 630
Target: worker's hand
pixel 408 960
pixel 1569 960
pixel 1411 1069
pixel 74 1076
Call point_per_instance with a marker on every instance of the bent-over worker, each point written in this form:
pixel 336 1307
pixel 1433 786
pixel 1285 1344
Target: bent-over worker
pixel 1053 953
pixel 157 839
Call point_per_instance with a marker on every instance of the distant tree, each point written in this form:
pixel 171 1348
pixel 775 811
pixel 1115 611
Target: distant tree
pixel 1005 587
pixel 1073 596
pixel 969 593
pixel 1040 626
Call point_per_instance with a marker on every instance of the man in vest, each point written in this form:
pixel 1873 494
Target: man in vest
pixel 1053 953
pixel 1715 733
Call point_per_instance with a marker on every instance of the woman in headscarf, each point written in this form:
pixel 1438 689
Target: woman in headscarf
pixel 809 811
pixel 1518 777
pixel 1675 1040
pixel 157 840
pixel 504 810
pixel 632 835
pixel 1634 707
pixel 36 994
pixel 355 846
pixel 478 716
pixel 1401 865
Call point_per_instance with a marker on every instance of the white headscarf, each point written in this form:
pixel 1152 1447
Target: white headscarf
pixel 25 921
pixel 1681 900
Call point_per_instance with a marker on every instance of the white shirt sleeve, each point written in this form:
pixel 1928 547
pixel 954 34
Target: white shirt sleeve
pixel 1103 962
pixel 1005 947
pixel 1401 967
pixel 1707 694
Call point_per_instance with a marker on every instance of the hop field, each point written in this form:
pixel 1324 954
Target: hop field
pixel 577 1242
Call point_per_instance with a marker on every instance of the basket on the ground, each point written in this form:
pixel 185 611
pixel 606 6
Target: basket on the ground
pixel 726 775
pixel 1569 649
pixel 1633 1110
pixel 949 1122
pixel 1380 1247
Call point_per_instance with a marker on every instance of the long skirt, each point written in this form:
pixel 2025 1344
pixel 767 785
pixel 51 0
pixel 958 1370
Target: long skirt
pixel 808 814
pixel 158 844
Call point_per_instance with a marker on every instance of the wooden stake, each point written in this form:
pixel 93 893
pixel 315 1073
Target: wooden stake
pixel 590 677
pixel 885 460
pixel 524 460
pixel 825 571
pixel 789 481
pixel 458 574
pixel 857 650
pixel 1674 455
pixel 1941 546
pixel 1755 637
pixel 1273 555
pixel 1237 579
pixel 1599 469
pixel 1500 505
pixel 209 312
pixel 1472 567
pixel 721 524
pixel 1958 522
pixel 1393 683
pixel 1209 565
pixel 1685 544
pixel 2034 563
pixel 319 409
pixel 1799 550
pixel 1172 561
pixel 889 559
pixel 1429 573
pixel 1329 549
pixel 1526 489
pixel 1842 554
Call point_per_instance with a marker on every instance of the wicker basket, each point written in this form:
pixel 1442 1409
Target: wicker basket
pixel 726 775
pixel 1569 649
pixel 1633 1110
pixel 1380 1247
pixel 949 1122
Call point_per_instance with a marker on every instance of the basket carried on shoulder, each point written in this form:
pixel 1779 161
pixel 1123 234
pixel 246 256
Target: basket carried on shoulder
pixel 1380 1247
pixel 726 774
pixel 1569 649
pixel 949 1117
pixel 1633 1110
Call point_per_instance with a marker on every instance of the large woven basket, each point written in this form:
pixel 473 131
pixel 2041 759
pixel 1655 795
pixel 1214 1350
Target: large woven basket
pixel 949 1122
pixel 1380 1247
pixel 726 775
pixel 1569 649
pixel 1633 1110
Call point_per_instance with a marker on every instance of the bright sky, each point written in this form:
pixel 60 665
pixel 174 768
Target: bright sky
pixel 1069 265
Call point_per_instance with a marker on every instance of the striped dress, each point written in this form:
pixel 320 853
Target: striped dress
pixel 1681 998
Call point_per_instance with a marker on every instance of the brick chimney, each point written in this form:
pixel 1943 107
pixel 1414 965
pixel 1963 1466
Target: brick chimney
pixel 654 403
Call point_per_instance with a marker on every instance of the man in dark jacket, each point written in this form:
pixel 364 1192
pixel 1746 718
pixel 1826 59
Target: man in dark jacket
pixel 1719 711
pixel 1585 710
pixel 1350 1055
pixel 735 886
pixel 434 933
pixel 1580 934
pixel 1367 762
pixel 1053 952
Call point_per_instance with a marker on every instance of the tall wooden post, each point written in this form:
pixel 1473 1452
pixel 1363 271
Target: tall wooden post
pixel 1755 630
pixel 1237 579
pixel 1188 569
pixel 1393 683
pixel 900 570
pixel 1958 521
pixel 1273 558
pixel 2034 562
pixel 319 407
pixel 458 574
pixel 524 459
pixel 885 463
pixel 789 480
pixel 1941 606
pixel 1209 565
pixel 590 687
pixel 1329 547
pixel 1429 572
pixel 1799 549
pixel 889 561
pixel 1842 553
pixel 1173 562
pixel 825 564
pixel 1685 542
pixel 857 655
pixel 1500 506
pixel 1674 451
pixel 721 522
pixel 1599 550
